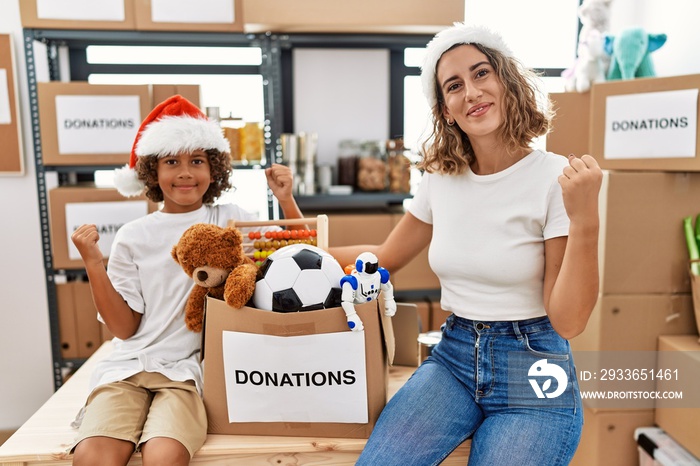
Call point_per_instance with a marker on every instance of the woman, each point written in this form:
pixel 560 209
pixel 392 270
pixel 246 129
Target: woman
pixel 513 239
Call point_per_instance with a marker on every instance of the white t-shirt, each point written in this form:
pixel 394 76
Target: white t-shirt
pixel 488 238
pixel 144 273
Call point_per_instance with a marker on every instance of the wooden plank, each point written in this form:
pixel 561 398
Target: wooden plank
pixel 45 438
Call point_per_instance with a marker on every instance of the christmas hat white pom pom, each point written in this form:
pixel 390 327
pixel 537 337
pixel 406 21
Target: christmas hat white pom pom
pixel 126 181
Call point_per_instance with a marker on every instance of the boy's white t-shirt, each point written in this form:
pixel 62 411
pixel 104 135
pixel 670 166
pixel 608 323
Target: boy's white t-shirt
pixel 144 273
pixel 488 238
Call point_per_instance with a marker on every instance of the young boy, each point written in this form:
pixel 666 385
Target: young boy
pixel 147 394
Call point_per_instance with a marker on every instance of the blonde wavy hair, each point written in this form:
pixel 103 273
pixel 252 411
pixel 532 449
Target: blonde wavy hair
pixel 448 150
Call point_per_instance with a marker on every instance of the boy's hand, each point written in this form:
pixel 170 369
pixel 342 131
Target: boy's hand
pixel 85 239
pixel 280 181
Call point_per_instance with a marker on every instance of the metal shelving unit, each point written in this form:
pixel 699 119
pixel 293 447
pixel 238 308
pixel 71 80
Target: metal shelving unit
pixel 53 40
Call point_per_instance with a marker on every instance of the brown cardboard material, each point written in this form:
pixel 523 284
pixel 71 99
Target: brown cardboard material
pixel 642 248
pixel 378 348
pixel 30 19
pixel 406 326
pixel 144 20
pixel 58 198
pixel 160 92
pixel 599 94
pixel 88 327
pixel 47 93
pixel 389 16
pixel 570 125
pixel 681 423
pixel 608 437
pixel 12 158
pixel 67 326
pixel 417 274
pixel 634 322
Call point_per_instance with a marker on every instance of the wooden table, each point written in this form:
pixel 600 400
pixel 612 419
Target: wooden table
pixel 46 436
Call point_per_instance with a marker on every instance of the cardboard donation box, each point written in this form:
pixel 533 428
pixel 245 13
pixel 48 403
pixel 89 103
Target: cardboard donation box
pixel 89 124
pixel 203 15
pixel 642 247
pixel 294 374
pixel 680 417
pixel 646 124
pixel 77 14
pixel 387 16
pixel 571 125
pixel 71 207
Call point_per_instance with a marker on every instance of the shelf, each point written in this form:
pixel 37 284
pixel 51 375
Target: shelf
pixel 355 201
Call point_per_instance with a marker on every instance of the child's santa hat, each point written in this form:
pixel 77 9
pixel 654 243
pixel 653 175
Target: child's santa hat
pixel 460 33
pixel 176 125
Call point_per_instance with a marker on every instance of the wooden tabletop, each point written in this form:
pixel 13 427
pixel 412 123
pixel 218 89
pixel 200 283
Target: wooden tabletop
pixel 45 438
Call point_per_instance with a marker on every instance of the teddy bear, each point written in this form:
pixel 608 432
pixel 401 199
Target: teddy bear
pixel 592 62
pixel 213 256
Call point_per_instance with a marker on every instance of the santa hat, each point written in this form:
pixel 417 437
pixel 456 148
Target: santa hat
pixel 176 125
pixel 460 33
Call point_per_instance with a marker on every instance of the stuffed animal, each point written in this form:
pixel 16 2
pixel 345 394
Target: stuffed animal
pixel 213 256
pixel 631 53
pixel 592 62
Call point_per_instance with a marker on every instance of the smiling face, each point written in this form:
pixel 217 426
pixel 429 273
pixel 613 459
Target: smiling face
pixel 184 178
pixel 471 91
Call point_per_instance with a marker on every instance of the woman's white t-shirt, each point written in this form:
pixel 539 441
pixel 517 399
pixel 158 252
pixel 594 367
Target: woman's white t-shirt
pixel 488 238
pixel 144 273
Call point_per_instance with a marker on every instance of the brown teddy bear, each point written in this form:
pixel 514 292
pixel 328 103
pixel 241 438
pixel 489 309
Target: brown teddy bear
pixel 213 256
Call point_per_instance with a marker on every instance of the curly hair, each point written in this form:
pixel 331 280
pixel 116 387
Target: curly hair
pixel 448 149
pixel 220 166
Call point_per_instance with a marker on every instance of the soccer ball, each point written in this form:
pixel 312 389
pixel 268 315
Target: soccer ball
pixel 298 277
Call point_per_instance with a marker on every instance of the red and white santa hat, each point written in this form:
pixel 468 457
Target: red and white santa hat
pixel 176 125
pixel 460 33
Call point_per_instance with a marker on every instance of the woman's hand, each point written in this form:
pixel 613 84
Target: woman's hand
pixel 580 183
pixel 280 181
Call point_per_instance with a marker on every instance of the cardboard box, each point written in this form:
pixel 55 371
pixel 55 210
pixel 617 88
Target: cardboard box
pixel 67 325
pixel 634 322
pixel 72 206
pixel 660 125
pixel 115 14
pixel 160 92
pixel 90 124
pixel 350 229
pixel 608 437
pixel 680 418
pixel 200 16
pixel 221 320
pixel 87 325
pixel 642 248
pixel 389 16
pixel 571 123
pixel 406 326
pixel 417 274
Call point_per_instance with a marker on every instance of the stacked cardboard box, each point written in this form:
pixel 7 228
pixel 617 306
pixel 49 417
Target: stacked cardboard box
pixel 645 288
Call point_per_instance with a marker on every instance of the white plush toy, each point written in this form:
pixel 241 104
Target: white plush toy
pixel 592 62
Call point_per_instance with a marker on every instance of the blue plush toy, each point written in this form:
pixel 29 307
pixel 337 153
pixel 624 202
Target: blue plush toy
pixel 631 53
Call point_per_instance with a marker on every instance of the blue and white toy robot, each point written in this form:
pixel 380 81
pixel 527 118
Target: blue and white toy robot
pixel 362 285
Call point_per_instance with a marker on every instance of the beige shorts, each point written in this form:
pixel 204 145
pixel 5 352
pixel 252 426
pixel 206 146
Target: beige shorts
pixel 144 406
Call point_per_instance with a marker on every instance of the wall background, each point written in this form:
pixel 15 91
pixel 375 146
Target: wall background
pixel 25 352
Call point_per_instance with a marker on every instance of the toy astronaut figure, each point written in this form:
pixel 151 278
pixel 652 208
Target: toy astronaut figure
pixel 362 285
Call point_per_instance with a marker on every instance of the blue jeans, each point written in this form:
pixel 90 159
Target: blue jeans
pixel 479 382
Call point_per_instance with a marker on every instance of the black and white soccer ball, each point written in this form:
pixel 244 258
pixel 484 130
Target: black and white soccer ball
pixel 298 277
